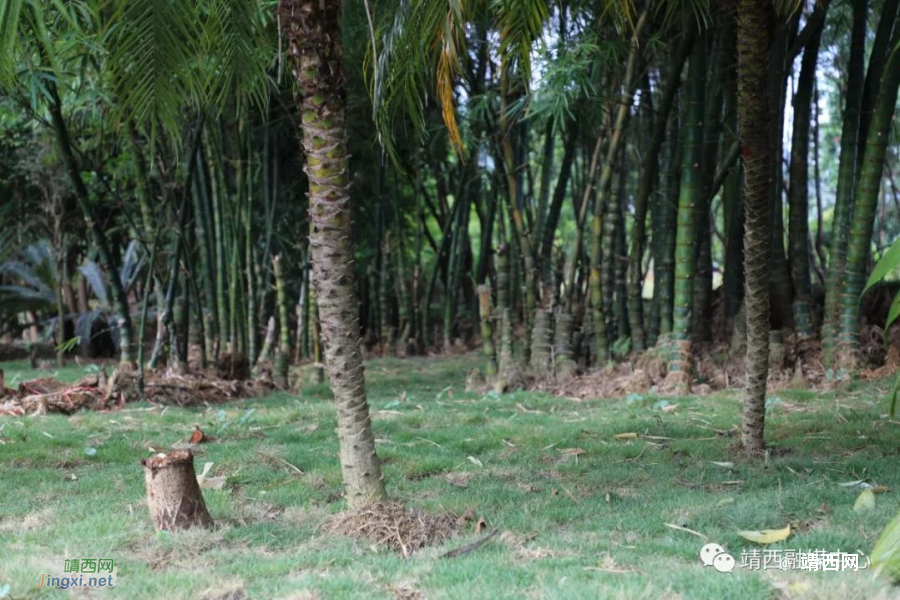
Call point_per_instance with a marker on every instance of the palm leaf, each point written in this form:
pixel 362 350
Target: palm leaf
pixel 94 276
pixel 521 23
pixel 153 46
pixel 84 325
pixel 422 45
pixel 237 47
pixel 28 295
pixel 131 265
pixel 10 10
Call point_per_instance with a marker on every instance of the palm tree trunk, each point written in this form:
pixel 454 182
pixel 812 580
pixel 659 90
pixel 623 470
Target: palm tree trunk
pixel 754 41
pixel 313 33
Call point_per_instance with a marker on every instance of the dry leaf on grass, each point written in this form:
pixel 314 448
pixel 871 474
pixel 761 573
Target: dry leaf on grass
pixel 198 437
pixel 766 536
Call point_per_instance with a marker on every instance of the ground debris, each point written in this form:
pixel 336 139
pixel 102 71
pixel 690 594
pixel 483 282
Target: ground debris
pixel 98 392
pixel 395 526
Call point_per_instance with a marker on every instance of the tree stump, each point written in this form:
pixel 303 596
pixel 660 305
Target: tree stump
pixel 173 495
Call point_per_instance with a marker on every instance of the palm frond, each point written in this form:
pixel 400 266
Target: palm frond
pixel 94 276
pixel 33 298
pixel 235 42
pixel 131 265
pixel 521 23
pixel 424 43
pixel 35 268
pixel 84 325
pixel 152 47
pixel 10 11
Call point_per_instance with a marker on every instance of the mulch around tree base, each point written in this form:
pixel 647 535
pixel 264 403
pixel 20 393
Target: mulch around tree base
pixel 395 526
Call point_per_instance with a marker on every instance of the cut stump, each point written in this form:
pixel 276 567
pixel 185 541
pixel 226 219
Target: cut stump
pixel 173 494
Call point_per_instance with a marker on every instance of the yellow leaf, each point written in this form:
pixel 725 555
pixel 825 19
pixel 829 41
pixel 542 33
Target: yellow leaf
pixel 865 501
pixel 766 536
pixel 626 436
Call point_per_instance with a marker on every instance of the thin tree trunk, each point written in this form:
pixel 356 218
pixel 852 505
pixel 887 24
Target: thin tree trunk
pixel 313 32
pixel 798 193
pixel 733 204
pixel 119 296
pixel 283 352
pixel 754 41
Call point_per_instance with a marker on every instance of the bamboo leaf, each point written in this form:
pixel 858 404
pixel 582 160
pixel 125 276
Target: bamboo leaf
pixel 889 262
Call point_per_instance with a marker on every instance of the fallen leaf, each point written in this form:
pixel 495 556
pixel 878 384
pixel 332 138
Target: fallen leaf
pixel 572 451
pixel 198 437
pixel 626 436
pixel 852 483
pixel 865 501
pixel 480 526
pixel 212 483
pixel 475 461
pixel 881 489
pixel 723 464
pixel 766 536
pixel 670 408
pixel 685 529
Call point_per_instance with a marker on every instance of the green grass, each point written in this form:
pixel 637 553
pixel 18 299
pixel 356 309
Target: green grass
pixel 574 527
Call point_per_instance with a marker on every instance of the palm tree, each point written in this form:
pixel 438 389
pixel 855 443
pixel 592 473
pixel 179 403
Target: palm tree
pixel 754 41
pixel 313 33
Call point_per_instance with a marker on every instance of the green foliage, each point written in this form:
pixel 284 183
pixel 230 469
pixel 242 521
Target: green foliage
pixel 68 345
pixel 152 46
pixel 886 553
pixel 889 263
pixel 9 20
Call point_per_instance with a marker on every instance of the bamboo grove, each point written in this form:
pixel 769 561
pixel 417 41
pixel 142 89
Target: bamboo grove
pixel 561 185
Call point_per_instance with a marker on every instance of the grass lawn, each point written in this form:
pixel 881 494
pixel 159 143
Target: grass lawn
pixel 574 525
